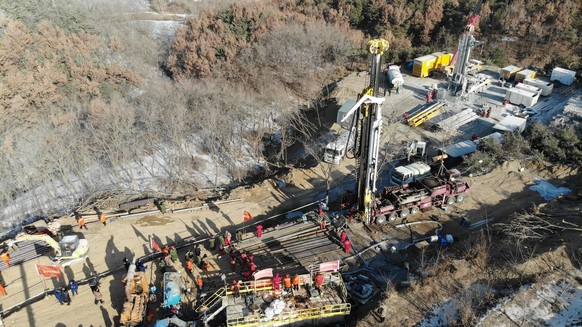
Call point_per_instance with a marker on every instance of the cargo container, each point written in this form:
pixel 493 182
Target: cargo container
pixel 523 97
pixel 425 64
pixel 564 76
pixel 546 87
pixel 443 59
pixel 530 88
pixel 511 124
pixel 526 73
pixel 509 72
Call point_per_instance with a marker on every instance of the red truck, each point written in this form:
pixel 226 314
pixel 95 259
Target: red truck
pixel 421 195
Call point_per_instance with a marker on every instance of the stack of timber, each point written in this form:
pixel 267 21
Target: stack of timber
pixel 457 120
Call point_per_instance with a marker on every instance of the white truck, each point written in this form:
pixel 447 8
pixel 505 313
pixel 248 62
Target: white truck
pixel 407 174
pixel 336 150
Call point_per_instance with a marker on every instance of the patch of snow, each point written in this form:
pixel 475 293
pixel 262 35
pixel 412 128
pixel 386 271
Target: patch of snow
pixel 558 303
pixel 547 190
pixel 160 28
pixel 443 315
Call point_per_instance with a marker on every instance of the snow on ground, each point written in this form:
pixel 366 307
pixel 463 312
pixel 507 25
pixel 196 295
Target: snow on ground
pixel 547 190
pixel 557 303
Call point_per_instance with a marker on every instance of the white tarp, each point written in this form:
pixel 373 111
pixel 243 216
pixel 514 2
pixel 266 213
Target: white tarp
pixel 562 75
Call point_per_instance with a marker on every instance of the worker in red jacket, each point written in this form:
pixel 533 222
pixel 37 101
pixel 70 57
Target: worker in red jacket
pixel 318 281
pixel 343 236
pixel 347 246
pixel 259 231
pixel 277 282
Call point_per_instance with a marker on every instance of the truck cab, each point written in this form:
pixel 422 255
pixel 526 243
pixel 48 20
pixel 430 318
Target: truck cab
pixel 407 174
pixel 336 150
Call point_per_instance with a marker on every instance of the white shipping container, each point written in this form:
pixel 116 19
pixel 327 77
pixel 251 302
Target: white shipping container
pixel 530 88
pixel 511 124
pixel 546 87
pixel 562 75
pixel 522 97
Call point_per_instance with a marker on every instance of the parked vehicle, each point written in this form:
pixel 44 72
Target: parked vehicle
pixel 410 173
pixel 423 194
pixel 336 150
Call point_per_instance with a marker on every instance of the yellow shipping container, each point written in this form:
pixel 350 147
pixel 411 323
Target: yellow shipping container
pixel 508 73
pixel 443 59
pixel 526 73
pixel 423 65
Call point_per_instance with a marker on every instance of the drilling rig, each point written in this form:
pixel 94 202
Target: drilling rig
pixel 459 81
pixel 367 120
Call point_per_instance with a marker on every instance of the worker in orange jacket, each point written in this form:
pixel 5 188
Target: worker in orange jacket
pixel 2 290
pixel 189 266
pixel 295 282
pixel 6 257
pixel 287 283
pixel 102 219
pixel 199 283
pixel 81 222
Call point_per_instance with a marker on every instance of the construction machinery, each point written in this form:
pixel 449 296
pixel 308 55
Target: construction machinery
pixel 421 195
pixel 136 297
pixel 68 250
pixel 367 121
pixel 461 60
pixel 424 115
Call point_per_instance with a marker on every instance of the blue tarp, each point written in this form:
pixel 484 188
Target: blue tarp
pixel 171 294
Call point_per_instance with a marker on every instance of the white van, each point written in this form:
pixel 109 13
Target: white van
pixel 336 150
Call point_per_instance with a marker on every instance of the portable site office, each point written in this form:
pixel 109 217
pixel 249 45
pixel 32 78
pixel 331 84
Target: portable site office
pixel 508 73
pixel 523 97
pixel 530 88
pixel 546 87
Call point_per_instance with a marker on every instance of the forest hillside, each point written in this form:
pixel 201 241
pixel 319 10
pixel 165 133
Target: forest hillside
pixel 94 105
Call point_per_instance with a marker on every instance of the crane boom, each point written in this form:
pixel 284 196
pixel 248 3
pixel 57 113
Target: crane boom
pixel 369 126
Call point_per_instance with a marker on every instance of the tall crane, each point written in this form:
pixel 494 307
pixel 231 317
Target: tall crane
pixel 368 121
pixel 461 59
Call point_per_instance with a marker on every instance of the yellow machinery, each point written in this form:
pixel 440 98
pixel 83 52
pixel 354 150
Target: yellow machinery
pixel 136 297
pixel 426 114
pixel 70 249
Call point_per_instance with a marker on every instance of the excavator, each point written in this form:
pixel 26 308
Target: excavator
pixel 68 250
